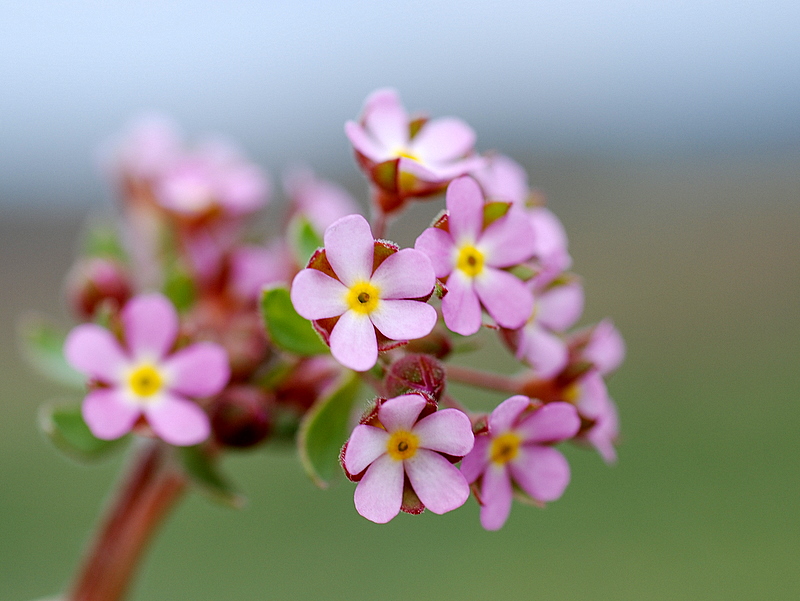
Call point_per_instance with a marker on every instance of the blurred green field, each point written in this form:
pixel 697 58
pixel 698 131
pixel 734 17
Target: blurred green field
pixel 699 266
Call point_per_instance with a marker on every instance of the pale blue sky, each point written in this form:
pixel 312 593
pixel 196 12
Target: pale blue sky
pixel 611 79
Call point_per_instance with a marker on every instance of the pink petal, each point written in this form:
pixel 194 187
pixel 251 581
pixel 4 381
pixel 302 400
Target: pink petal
pixel 407 273
pixel 199 370
pixel 605 432
pixel 593 398
pixel 447 431
pixel 558 308
pixel 550 424
pixel 150 323
pixel 465 209
pixel 94 351
pixel 243 189
pixel 496 494
pixel 546 353
pixel 460 306
pixel 366 444
pixel 316 295
pixel 386 119
pixel 178 421
pixel 542 472
pixel 425 173
pixel 506 298
pixel 364 144
pixel 353 341
pixel 549 232
pixel 442 140
pixel 506 413
pixel 400 413
pixel 503 179
pixel 404 319
pixel 438 246
pixel 379 494
pixel 448 171
pixel 606 348
pixel 108 414
pixel 508 241
pixel 474 464
pixel 438 483
pixel 349 247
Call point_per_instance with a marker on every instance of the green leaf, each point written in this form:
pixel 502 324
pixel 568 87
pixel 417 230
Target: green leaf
pixel 303 239
pixel 63 424
pixel 204 473
pixel 102 240
pixel 285 327
pixel 43 346
pixel 324 430
pixel 179 287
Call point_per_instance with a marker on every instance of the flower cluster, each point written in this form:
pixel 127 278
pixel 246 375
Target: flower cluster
pixel 197 334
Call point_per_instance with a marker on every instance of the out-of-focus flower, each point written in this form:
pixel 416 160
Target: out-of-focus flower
pixel 94 280
pixel 503 179
pixel 598 411
pixel 348 286
pixel 142 377
pixel 321 201
pixel 605 347
pixel 516 450
pixel 407 157
pixel 252 267
pixel 402 441
pixel 472 257
pixel 551 245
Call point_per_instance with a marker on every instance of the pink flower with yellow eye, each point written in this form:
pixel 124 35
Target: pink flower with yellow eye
pixel 140 377
pixel 356 288
pixel 404 449
pixel 517 450
pixel 472 257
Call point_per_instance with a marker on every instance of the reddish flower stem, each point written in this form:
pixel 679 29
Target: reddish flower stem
pixel 144 500
pixel 481 379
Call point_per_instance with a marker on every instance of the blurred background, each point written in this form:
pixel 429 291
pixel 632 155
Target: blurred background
pixel 666 135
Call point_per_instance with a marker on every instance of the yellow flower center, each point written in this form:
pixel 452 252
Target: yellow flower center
pixel 406 154
pixel 363 297
pixel 145 380
pixel 572 393
pixel 470 260
pixel 402 445
pixel 504 448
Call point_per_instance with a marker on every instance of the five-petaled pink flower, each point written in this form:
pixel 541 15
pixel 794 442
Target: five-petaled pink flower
pixel 366 290
pixel 140 377
pixel 407 446
pixel 516 450
pixel 472 258
pixel 410 157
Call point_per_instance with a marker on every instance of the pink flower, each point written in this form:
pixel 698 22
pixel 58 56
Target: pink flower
pixel 407 438
pixel 252 267
pixel 551 245
pixel 605 348
pixel 504 180
pixel 141 378
pixel 516 451
pixel 472 257
pixel 322 202
pixel 366 290
pixel 590 396
pixel 408 157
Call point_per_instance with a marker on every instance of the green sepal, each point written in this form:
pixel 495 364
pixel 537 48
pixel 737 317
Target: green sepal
pixel 522 271
pixel 285 327
pixel 63 424
pixel 304 240
pixel 180 287
pixel 43 346
pixel 325 429
pixel 492 211
pixel 204 473
pixel 102 240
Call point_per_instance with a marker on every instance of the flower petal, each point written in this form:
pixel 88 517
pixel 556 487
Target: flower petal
pixel 107 413
pixel 95 351
pixel 379 494
pixel 438 483
pixel 442 140
pixel 438 245
pixel 150 323
pixel 506 298
pixel 465 209
pixel 558 308
pixel 349 247
pixel 508 241
pixel 407 273
pixel 496 494
pixel 604 433
pixel 473 465
pixel 353 341
pixel 550 424
pixel 178 420
pixel 400 413
pixel 404 319
pixel 316 295
pixel 542 472
pixel 545 352
pixel 506 413
pixel 199 370
pixel 386 119
pixel 364 144
pixel 460 306
pixel 366 444
pixel 447 431
pixel 606 348
pixel 503 179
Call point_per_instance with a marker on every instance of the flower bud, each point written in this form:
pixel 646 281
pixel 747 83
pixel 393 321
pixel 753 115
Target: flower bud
pixel 241 416
pixel 415 373
pixel 95 280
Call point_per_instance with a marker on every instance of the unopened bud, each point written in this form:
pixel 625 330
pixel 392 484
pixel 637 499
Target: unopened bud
pixel 415 373
pixel 241 417
pixel 95 280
